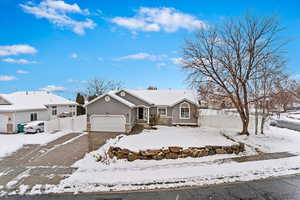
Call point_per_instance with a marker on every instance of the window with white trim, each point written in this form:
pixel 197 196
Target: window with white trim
pixel 33 116
pixel 54 110
pixel 184 111
pixel 162 111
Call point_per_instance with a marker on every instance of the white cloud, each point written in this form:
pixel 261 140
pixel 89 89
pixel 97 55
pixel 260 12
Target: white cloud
pixel 74 55
pixel 20 71
pixel 53 88
pixel 157 19
pixel 18 61
pixel 177 61
pixel 141 56
pixel 9 50
pixel 57 13
pixel 7 78
pixel 76 81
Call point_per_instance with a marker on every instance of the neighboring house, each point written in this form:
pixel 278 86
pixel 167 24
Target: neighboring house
pixel 22 107
pixel 119 111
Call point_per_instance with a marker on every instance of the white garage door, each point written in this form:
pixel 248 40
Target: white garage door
pixel 108 123
pixel 3 123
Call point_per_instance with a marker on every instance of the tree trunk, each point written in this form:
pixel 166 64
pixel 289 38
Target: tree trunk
pixel 256 118
pixel 245 122
pixel 262 125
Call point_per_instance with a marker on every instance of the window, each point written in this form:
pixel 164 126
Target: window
pixel 33 116
pixel 162 111
pixel 54 110
pixel 122 94
pixel 184 111
pixel 107 98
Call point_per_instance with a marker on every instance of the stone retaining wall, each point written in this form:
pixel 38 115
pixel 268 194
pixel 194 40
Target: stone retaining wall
pixel 174 152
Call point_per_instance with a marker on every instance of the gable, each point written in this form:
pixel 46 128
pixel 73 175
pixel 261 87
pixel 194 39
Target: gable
pixel 4 101
pixel 131 98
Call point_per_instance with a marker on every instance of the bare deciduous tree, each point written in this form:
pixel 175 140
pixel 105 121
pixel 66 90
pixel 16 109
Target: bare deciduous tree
pixel 97 87
pixel 227 56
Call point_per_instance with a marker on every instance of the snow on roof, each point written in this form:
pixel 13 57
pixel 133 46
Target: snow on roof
pixel 165 97
pixel 113 95
pixel 34 100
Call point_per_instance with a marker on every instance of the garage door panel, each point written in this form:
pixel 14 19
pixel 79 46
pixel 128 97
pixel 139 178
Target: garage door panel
pixel 108 123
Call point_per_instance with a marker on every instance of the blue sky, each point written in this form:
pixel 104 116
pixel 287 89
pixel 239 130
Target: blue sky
pixel 57 45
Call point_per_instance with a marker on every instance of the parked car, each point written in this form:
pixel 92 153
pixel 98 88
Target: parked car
pixel 34 127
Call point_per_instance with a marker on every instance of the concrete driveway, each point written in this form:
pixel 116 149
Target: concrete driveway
pixel 47 164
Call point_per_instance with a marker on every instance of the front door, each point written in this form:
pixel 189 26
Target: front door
pixel 140 112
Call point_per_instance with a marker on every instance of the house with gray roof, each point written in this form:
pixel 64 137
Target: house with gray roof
pixel 119 111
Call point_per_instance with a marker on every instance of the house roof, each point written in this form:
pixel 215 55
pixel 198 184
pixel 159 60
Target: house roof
pixel 165 97
pixel 114 96
pixel 35 100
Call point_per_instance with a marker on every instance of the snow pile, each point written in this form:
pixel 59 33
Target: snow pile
pixel 165 137
pixel 10 143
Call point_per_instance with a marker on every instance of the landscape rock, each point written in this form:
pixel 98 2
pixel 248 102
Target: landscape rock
pixel 220 151
pixel 175 149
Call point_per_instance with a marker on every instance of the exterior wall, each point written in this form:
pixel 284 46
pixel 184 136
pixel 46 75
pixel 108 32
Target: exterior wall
pixel 132 99
pixel 193 114
pixel 113 107
pixel 165 120
pixel 8 118
pixel 24 116
pixel 61 109
pixel 153 111
pixel 133 115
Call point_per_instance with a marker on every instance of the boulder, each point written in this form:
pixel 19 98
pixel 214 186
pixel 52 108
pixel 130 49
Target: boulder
pixel 175 149
pixel 166 150
pixel 152 152
pixel 110 154
pixel 171 155
pixel 132 157
pixel 220 151
pixel 186 151
pixel 183 155
pixel 159 156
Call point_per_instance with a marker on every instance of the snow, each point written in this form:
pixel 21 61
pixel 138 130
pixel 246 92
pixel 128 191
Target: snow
pixel 10 143
pixel 165 97
pixel 274 140
pixel 112 95
pixel 116 175
pixel 32 100
pixel 165 137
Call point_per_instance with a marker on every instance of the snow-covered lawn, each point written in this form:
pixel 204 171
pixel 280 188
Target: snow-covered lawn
pixel 93 176
pixel 165 137
pixel 274 140
pixel 116 175
pixel 10 143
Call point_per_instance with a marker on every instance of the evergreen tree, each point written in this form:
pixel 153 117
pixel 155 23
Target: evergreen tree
pixel 80 101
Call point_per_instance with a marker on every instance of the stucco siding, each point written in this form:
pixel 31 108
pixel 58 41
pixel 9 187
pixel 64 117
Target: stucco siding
pixel 24 116
pixel 113 107
pixel 133 99
pixel 193 114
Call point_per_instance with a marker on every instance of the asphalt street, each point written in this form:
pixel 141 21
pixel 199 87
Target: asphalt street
pixel 280 188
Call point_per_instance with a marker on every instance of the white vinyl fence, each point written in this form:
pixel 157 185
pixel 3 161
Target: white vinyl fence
pixel 222 119
pixel 76 124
